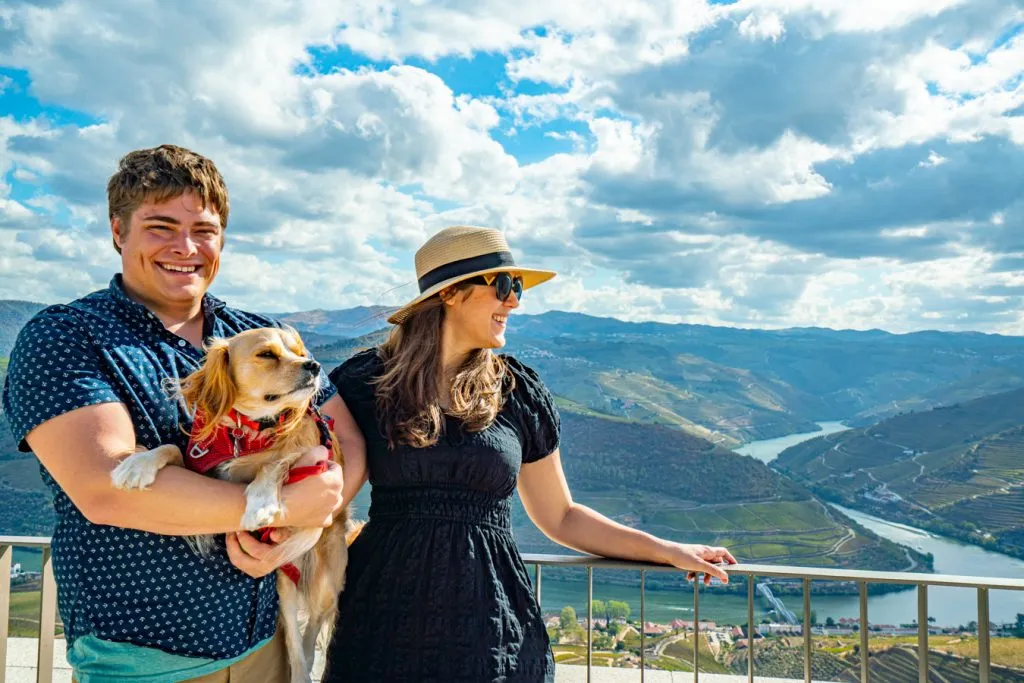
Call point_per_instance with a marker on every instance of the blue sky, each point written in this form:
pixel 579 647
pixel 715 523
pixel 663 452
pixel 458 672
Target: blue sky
pixel 763 163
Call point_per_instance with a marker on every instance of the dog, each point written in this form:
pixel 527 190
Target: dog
pixel 254 418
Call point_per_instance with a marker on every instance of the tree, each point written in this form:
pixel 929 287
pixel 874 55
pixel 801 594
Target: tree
pixel 1020 625
pixel 618 609
pixel 599 608
pixel 814 618
pixel 830 622
pixel 568 620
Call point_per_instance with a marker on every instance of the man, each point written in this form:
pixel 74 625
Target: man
pixel 84 388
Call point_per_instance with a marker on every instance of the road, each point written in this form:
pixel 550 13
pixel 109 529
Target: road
pixel 659 649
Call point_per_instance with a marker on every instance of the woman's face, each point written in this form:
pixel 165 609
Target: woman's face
pixel 477 319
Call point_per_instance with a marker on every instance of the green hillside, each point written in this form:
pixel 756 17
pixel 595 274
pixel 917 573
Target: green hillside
pixel 737 385
pixel 653 477
pixel 957 470
pixel 673 484
pixel 13 316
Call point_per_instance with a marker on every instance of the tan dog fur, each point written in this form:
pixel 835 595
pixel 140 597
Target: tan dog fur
pixel 261 373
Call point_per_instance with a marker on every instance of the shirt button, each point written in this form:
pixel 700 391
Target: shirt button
pixel 181 342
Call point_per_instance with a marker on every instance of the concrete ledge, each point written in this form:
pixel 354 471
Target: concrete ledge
pixel 21 660
pixel 21 668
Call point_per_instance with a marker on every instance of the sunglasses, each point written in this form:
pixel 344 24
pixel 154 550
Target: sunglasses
pixel 504 284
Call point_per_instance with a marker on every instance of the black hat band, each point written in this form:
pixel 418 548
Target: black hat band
pixel 466 266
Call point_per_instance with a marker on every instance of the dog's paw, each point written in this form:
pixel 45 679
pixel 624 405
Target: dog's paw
pixel 260 515
pixel 134 472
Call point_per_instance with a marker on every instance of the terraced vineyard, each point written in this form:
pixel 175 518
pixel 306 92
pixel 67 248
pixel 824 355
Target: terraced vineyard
pixel 899 664
pixel 951 659
pixel 958 471
pixel 782 658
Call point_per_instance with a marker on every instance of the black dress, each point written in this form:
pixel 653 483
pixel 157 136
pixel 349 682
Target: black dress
pixel 436 589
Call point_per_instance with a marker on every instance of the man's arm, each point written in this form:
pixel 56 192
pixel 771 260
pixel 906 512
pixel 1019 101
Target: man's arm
pixel 81 447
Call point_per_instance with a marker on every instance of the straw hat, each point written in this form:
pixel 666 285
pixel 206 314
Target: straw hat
pixel 459 253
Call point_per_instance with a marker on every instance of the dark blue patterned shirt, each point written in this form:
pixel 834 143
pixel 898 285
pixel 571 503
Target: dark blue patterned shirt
pixel 119 584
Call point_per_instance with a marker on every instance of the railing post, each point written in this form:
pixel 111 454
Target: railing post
pixel 643 621
pixel 590 620
pixel 6 552
pixel 47 620
pixel 751 580
pixel 536 583
pixel 922 633
pixel 696 628
pixel 864 670
pixel 984 664
pixel 807 631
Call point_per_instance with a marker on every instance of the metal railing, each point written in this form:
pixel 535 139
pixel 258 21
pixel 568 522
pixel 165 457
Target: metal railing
pixel 48 600
pixel 754 571
pixel 47 604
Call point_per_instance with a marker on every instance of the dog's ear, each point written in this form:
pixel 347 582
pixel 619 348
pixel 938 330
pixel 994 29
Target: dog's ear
pixel 211 389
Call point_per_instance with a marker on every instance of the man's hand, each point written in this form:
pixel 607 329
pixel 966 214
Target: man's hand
pixel 313 501
pixel 252 557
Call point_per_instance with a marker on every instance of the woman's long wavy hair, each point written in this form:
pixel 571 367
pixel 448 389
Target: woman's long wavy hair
pixel 408 393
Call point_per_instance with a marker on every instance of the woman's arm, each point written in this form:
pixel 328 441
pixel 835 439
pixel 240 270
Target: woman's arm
pixel 549 504
pixel 353 447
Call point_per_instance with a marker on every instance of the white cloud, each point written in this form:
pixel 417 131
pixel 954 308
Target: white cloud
pixel 764 162
pixel 762 27
pixel 933 160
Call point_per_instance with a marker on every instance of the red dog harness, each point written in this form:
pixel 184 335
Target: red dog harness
pixel 246 437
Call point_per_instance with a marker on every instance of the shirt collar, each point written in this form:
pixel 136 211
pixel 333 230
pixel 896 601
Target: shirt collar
pixel 211 304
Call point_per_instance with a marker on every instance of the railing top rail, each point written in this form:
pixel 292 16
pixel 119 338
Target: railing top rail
pixel 761 570
pixel 26 541
pixel 783 571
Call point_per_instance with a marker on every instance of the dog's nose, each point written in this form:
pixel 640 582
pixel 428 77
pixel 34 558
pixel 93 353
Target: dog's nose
pixel 311 366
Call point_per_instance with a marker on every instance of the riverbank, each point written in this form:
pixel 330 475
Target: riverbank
pixel 913 517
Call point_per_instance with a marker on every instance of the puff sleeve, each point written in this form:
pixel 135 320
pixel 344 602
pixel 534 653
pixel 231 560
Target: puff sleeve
pixel 538 416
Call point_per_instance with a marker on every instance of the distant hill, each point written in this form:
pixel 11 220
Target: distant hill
pixel 347 323
pixel 13 316
pixel 25 504
pixel 732 385
pixel 334 353
pixel 957 470
pixel 725 384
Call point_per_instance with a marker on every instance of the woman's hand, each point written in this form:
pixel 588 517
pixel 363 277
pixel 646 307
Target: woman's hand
pixel 313 501
pixel 700 559
pixel 253 557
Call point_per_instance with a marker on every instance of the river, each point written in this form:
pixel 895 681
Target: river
pixel 949 606
pixel 767 450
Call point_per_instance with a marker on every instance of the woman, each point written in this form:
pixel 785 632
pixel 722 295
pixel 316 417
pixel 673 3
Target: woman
pixel 436 589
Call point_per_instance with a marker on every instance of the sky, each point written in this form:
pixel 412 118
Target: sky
pixel 758 163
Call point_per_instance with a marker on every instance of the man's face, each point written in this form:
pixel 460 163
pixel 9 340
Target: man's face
pixel 170 252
